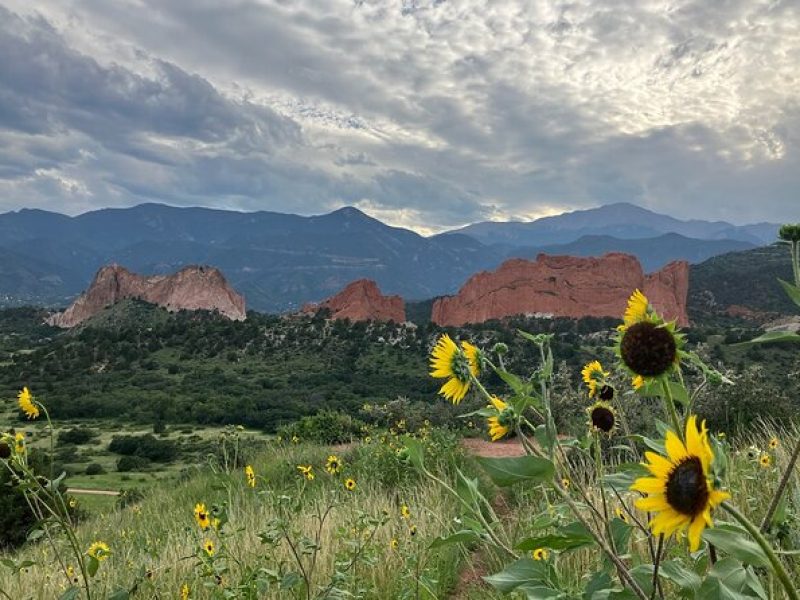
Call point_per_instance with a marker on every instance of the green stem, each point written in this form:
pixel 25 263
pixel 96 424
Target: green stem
pixel 673 412
pixel 777 565
pixel 776 498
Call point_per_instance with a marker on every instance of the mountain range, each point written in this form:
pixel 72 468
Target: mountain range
pixel 280 261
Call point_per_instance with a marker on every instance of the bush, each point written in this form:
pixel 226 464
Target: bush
pixel 95 469
pixel 132 463
pixel 77 435
pixel 144 446
pixel 327 427
pixel 128 497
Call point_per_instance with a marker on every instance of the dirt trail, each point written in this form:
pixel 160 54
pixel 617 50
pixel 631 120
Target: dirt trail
pixel 489 449
pixel 92 492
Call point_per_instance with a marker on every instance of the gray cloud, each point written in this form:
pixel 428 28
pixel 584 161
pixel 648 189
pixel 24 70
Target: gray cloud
pixel 425 113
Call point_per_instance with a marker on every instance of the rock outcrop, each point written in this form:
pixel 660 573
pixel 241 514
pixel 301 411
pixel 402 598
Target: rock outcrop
pixel 362 300
pixel 191 288
pixel 565 286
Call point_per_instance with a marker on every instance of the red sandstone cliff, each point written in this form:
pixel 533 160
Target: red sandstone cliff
pixel 362 300
pixel 565 286
pixel 191 288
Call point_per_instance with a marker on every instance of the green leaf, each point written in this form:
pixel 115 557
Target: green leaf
pixel 467 489
pixel 120 595
pixel 684 578
pixel 626 474
pixel 727 580
pixel 71 594
pixel 416 455
pixel 539 592
pixel 92 566
pixel 791 290
pixel 621 534
pixel 513 469
pixel 520 387
pixel 525 571
pixel 570 537
pixel 599 582
pixel 773 336
pixel 465 536
pixel 737 543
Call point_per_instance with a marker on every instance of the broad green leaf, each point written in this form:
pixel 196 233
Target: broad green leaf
pixel 540 592
pixel 525 571
pixel 599 582
pixel 621 534
pixel 92 565
pixel 684 578
pixel 570 537
pixel 727 580
pixel 791 290
pixel 120 595
pixel 626 474
pixel 416 455
pixel 520 387
pixel 510 470
pixel 71 594
pixel 773 337
pixel 737 543
pixel 465 536
pixel 467 489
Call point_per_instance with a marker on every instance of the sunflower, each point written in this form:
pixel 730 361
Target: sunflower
pixel 681 491
pixel 405 512
pixel 774 442
pixel 765 461
pixel 393 544
pixel 19 443
pixel 208 546
pixel 295 439
pixel 201 516
pixel 307 471
pixel 594 376
pixel 73 503
pixel 648 346
pixel 456 364
pixel 412 531
pixel 621 514
pixel 333 465
pixel 70 573
pixel 250 474
pixel 26 405
pixel 540 554
pixel 565 483
pixel 350 484
pixel 602 417
pixel 501 423
pixel 99 551
pixel 5 449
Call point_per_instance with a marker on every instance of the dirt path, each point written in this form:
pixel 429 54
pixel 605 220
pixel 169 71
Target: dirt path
pixel 489 449
pixel 92 492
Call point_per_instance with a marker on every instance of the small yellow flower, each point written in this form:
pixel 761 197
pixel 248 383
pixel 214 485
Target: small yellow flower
pixel 333 465
pixel 185 591
pixel 73 503
pixel 765 461
pixel 565 483
pixel 295 439
pixel 405 512
pixel 201 516
pixel 621 514
pixel 593 374
pixel 637 382
pixel 208 546
pixel 19 442
pixel 499 425
pixel 26 405
pixel 307 471
pixel 412 531
pixel 393 544
pixel 99 551
pixel 350 484
pixel 250 475
pixel 70 573
pixel 774 443
pixel 540 554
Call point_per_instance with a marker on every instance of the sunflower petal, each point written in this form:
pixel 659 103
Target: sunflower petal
pixel 675 448
pixel 695 531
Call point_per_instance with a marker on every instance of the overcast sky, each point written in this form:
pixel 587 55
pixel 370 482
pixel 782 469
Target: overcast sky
pixel 424 113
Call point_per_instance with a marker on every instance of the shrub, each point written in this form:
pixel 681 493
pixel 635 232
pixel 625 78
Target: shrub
pixel 144 446
pixel 77 435
pixel 95 469
pixel 326 427
pixel 132 463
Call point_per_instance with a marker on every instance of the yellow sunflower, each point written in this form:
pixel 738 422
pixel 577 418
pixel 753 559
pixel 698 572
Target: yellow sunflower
pixel 250 475
pixel 681 492
pixel 208 546
pixel 333 465
pixel 307 471
pixel 456 364
pixel 201 516
pixel 774 443
pixel 765 461
pixel 648 346
pixel 602 417
pixel 593 376
pixel 501 423
pixel 405 512
pixel 99 551
pixel 393 544
pixel 19 443
pixel 26 404
pixel 350 484
pixel 540 554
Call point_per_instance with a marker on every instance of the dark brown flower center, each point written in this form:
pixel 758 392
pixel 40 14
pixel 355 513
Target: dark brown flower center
pixel 603 418
pixel 606 393
pixel 648 350
pixel 5 451
pixel 687 489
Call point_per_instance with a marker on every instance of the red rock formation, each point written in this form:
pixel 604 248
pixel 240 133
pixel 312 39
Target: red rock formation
pixel 362 300
pixel 565 286
pixel 191 288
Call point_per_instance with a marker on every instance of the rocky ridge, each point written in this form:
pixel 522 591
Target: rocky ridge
pixel 191 288
pixel 565 286
pixel 362 300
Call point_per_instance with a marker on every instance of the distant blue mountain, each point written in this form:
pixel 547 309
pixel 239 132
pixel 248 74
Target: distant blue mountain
pixel 621 220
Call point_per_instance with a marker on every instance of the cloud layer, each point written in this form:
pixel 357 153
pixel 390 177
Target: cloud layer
pixel 425 113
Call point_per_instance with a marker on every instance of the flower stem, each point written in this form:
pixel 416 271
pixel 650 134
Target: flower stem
pixel 777 565
pixel 776 498
pixel 673 412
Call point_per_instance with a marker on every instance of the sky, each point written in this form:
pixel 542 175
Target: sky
pixel 427 114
